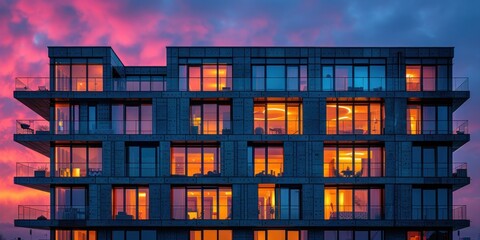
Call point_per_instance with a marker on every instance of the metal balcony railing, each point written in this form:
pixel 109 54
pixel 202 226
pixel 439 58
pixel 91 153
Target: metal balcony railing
pixel 33 169
pixel 84 127
pixel 32 84
pixel 347 170
pixel 437 127
pixel 357 211
pixel 434 212
pixel 34 212
pixel 130 212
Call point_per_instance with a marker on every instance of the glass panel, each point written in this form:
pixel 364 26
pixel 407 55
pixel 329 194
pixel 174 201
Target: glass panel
pixel 327 78
pixel 293 235
pixel 148 162
pixel 303 78
pixel 361 234
pixel 148 235
pixel 345 235
pixel 377 78
pixel 345 162
pixel 259 114
pixel 428 162
pixel 79 162
pixel 62 156
pixel 92 119
pixel 194 164
pixel 414 119
pixel 259 161
pixel 292 78
pixel 210 234
pixel 195 235
pixel 79 77
pixel 117 119
pixel 95 77
pixel 283 203
pixel 178 161
pixel 429 120
pixel 345 118
pixel 118 202
pixel 345 204
pixel 330 168
pixel 210 204
pixel 258 78
pixel 209 77
pixel 266 201
pixel 178 203
pixel 118 235
pixel 225 204
pixel 332 119
pixel 376 235
pixel 360 162
pixel 361 204
pixel 92 235
pixel 361 119
pixel 376 206
pixel 133 161
pixel 275 161
pixel 95 161
pixel 210 119
pixel 416 203
pixel 62 77
pixel 413 78
pixel 429 204
pixel 225 234
pixel 276 118
pixel 210 161
pixel 77 210
pixel 295 204
pixel 63 199
pixel 429 78
pixel 143 203
pixel 442 120
pixel 276 235
pixel 417 161
pixel 376 163
pixel 293 119
pixel 442 161
pixel 376 118
pixel 79 235
pixel 442 203
pixel 259 235
pixel 194 204
pixel 62 118
pixel 331 203
pixel 194 78
pixel 131 202
pixel 225 77
pixel 361 78
pixel 343 78
pixel 224 117
pixel 182 78
pixel 132 120
pixel 413 235
pixel 196 119
pixel 330 235
pixel 133 235
pixel 442 78
pixel 275 78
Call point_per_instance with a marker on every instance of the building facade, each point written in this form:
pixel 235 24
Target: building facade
pixel 265 143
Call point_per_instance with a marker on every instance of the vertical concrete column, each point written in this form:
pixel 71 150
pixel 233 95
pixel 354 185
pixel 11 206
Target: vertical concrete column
pixel 119 165
pixel 390 204
pixel 238 116
pixel 300 159
pixel 322 116
pixel 241 159
pixel 93 202
pixel 172 116
pixel 160 116
pixel 311 116
pixel 107 153
pixel 105 201
pixel 227 163
pixel 390 159
pixel 307 198
pixel 403 159
pixel 288 159
pixel 318 201
pixel 251 198
pixel 184 114
pixel 165 200
pixel 164 159
pixel 316 158
pixel 155 202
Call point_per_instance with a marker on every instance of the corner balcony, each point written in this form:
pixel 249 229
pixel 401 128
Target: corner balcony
pixel 439 130
pixel 460 176
pixel 33 92
pixel 40 216
pixel 31 134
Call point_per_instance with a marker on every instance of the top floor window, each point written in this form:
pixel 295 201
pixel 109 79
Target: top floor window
pixel 206 77
pixel 426 78
pixel 78 75
pixel 353 77
pixel 140 83
pixel 279 78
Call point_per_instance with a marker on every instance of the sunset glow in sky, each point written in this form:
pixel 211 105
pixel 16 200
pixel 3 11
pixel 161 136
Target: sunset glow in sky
pixel 139 34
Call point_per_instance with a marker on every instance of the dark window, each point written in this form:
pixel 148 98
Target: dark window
pixel 279 78
pixel 142 160
pixel 70 203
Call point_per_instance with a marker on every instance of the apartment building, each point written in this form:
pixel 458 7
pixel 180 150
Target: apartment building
pixel 264 143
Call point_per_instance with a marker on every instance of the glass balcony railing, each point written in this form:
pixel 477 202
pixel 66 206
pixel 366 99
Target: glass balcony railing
pixel 84 127
pixel 34 212
pixel 437 127
pixel 433 212
pixel 33 169
pixel 357 211
pixel 460 170
pixel 71 212
pixel 268 212
pixel 362 127
pixel 32 127
pixel 32 84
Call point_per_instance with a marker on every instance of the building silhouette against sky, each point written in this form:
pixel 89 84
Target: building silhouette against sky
pixel 284 143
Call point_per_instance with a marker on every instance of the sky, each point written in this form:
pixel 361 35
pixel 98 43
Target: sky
pixel 139 31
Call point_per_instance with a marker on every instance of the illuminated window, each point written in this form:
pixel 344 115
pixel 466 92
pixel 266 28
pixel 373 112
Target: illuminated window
pixel 353 203
pixel 130 203
pixel 353 161
pixel 353 235
pixel 142 160
pixel 355 118
pixel 279 78
pixel 421 235
pixel 428 119
pixel 266 160
pixel 277 117
pixel 78 161
pixel 206 77
pixel 75 235
pixel 197 202
pixel 211 235
pixel 279 234
pixel 195 160
pixel 211 117
pixel 353 78
pixel 70 203
pixel 78 75
pixel 424 78
pixel 276 202
pixel 431 203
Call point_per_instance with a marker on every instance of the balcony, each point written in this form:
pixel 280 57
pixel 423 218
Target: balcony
pixel 42 212
pixel 35 127
pixel 33 169
pixel 434 212
pixel 354 212
pixel 459 127
pixel 32 127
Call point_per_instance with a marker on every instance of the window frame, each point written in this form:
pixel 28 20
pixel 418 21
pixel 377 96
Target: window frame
pixel 201 146
pixel 278 205
pixel 200 128
pixel 140 146
pixel 262 128
pixel 369 148
pixel 335 208
pixel 69 84
pixel 71 211
pixel 252 162
pixel 184 207
pixel 370 130
pixel 187 79
pixel 122 125
pixel 423 126
pixel 301 84
pixel 351 85
pixel 124 205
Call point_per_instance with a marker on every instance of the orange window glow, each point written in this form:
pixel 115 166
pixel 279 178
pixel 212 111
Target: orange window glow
pixel 413 75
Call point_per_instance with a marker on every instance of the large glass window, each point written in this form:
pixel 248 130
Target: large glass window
pixel 140 83
pixel 78 160
pixel 75 235
pixel 353 78
pixel 430 203
pixel 279 78
pixel 428 119
pixel 78 75
pixel 431 161
pixel 201 202
pixel 424 78
pixel 353 235
pixel 142 160
pixel 355 118
pixel 353 203
pixel 211 235
pixel 265 160
pixel 70 203
pixel 206 77
pixel 130 203
pixel 353 161
pixel 278 202
pixel 132 118
pixel 273 117
pixel 195 160
pixel 279 234
pixel 210 118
